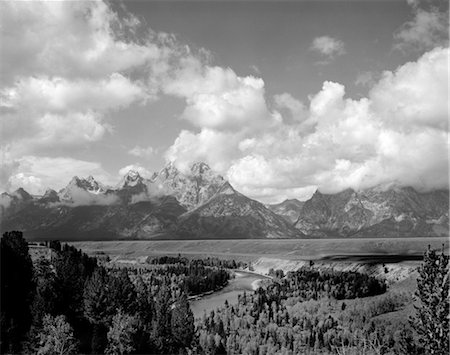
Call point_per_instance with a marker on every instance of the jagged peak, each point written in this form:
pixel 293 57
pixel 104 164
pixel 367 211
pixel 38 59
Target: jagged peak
pixel 132 175
pixel 169 170
pixel 199 168
pixel 49 192
pixel 74 180
pixel 131 178
pixel 21 193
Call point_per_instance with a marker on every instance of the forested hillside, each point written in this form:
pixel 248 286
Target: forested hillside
pixel 66 302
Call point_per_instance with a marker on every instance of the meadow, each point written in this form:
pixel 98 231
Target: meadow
pixel 377 249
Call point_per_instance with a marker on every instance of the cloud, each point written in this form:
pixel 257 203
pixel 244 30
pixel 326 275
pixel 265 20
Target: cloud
pixel 5 201
pixel 416 94
pixel 328 46
pixel 40 40
pixel 81 197
pixel 36 174
pixel 218 98
pixel 135 167
pixel 296 109
pixel 366 79
pixel 59 94
pixel 66 67
pixel 57 88
pixel 217 148
pixel 141 152
pixel 397 133
pixel 427 29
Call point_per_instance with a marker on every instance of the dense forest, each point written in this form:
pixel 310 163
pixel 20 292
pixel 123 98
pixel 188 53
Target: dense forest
pixel 69 303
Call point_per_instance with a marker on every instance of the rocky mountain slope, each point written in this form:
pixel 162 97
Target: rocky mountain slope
pixel 191 189
pixel 194 204
pixel 290 209
pixel 381 211
pixel 231 214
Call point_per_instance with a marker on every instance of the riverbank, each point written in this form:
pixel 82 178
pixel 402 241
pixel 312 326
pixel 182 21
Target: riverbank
pixel 243 281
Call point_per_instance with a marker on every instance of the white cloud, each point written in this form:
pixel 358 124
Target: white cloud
pixel 81 197
pixel 36 174
pixel 218 98
pixel 141 152
pixel 214 147
pixel 297 109
pixel 59 94
pixel 328 46
pixel 40 40
pixel 397 133
pixel 428 28
pixel 135 167
pixel 416 93
pixel 64 69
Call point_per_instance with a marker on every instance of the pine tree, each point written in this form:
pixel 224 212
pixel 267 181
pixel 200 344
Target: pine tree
pixel 182 322
pixel 97 300
pixel 97 307
pixel 17 291
pixel 161 324
pixel 432 320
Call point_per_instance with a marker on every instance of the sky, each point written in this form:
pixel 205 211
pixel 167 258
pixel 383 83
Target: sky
pixel 280 97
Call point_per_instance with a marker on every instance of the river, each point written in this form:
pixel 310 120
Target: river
pixel 243 281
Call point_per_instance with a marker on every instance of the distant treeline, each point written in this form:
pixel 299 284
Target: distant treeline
pixel 212 262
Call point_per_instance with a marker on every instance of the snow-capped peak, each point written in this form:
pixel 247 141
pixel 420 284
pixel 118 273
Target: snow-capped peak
pixel 89 185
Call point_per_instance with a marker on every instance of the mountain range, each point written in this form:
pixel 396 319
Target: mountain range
pixel 200 204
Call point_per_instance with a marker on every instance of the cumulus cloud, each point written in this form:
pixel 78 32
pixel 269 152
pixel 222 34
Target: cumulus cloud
pixel 427 29
pixel 142 152
pixel 328 46
pixel 416 94
pixel 397 133
pixel 296 109
pixel 66 66
pixel 56 86
pixel 217 97
pixel 40 40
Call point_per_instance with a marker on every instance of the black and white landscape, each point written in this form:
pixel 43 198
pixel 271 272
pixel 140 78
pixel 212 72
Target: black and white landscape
pixel 201 204
pixel 224 177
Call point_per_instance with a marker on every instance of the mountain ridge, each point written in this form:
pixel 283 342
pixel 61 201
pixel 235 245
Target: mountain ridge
pixel 166 205
pixel 198 203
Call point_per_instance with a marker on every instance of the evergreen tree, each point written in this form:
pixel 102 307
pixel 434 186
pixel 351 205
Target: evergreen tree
pixel 182 323
pixel 161 332
pixel 97 298
pixel 56 337
pixel 432 320
pixel 17 289
pixel 47 291
pixel 121 334
pixel 97 307
pixel 122 292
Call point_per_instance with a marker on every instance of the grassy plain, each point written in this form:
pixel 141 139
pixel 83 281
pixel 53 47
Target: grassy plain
pixel 379 249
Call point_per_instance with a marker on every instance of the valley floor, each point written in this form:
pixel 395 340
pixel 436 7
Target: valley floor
pixel 377 250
